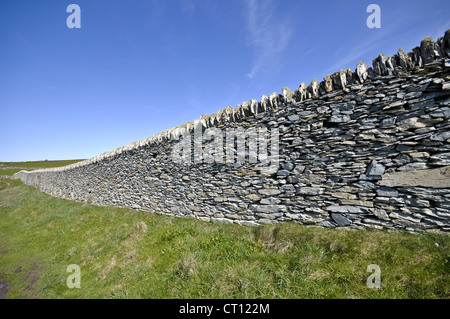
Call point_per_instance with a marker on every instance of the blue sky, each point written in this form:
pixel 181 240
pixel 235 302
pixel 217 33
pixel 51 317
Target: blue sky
pixel 136 68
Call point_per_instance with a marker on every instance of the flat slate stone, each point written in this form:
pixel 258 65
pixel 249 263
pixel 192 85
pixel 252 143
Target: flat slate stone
pixel 387 192
pixel 309 190
pixel 344 209
pixel 339 118
pixel 375 169
pixel 434 178
pixel 340 219
pixel 327 223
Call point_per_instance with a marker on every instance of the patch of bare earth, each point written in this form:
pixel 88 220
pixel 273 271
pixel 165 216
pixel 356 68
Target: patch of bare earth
pixel 8 195
pixel 31 277
pixel 4 288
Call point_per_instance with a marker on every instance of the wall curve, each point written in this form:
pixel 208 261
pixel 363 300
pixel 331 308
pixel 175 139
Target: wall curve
pixel 368 148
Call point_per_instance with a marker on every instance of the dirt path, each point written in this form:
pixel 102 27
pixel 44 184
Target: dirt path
pixel 30 278
pixel 4 288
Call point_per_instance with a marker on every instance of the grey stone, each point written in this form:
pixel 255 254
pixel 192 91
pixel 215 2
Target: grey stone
pixel 288 166
pixel 370 101
pixel 292 216
pixel 440 137
pixel 412 95
pixel 342 118
pixel 413 166
pixel 347 106
pixel 345 209
pixel 313 89
pixel 441 159
pixel 254 106
pixel 341 220
pixel 365 185
pixel 339 79
pixel 382 223
pixel 328 224
pixel 222 221
pixel 300 93
pixel 404 61
pixel 422 105
pixel 293 179
pixel 264 104
pixel 362 71
pixel 270 201
pixel 417 88
pixel 310 191
pixel 375 169
pixel 269 191
pixel 390 122
pixel 267 221
pixel 274 101
pixel 283 172
pixel 433 178
pixel 403 148
pixel 253 197
pixel 268 209
pixel 311 218
pixel 304 113
pixel 427 48
pixel 327 84
pixel 288 95
pixel 380 213
pixel 248 223
pixel 416 122
pixel 387 192
pixel 265 215
pixel 442 112
pixel 288 188
pixel 445 46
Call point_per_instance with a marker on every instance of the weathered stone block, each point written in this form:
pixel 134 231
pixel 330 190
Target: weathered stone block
pixel 434 178
pixel 341 220
pixel 268 209
pixel 310 191
pixel 269 191
pixel 375 169
pixel 386 192
pixel 341 118
pixel 345 209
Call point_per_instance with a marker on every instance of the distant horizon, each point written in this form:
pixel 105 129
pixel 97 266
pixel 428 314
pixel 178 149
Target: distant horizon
pixel 49 160
pixel 134 70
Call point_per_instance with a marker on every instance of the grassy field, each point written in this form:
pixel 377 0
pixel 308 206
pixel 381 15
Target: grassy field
pixel 130 254
pixel 10 168
pixel 9 171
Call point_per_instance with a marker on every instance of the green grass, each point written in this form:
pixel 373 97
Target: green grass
pixel 9 171
pixel 130 254
pixel 10 168
pixel 34 165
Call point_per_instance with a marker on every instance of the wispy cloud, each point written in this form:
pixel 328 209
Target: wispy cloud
pixel 441 31
pixel 366 45
pixel 188 6
pixel 396 29
pixel 267 34
pixel 21 40
pixel 369 45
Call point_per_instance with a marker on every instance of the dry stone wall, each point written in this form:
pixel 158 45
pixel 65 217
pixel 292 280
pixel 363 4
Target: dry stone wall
pixel 368 148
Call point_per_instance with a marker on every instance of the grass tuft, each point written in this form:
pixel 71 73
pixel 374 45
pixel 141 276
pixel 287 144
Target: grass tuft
pixel 124 253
